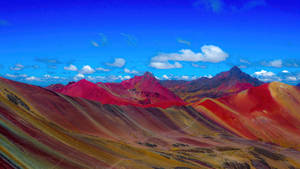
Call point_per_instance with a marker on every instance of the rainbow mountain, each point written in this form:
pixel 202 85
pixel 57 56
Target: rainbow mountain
pixel 140 123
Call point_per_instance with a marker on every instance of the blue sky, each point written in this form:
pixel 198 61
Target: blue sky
pixel 44 42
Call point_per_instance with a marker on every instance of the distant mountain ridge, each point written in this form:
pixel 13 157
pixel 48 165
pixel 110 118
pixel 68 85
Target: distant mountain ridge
pixel 223 84
pixel 145 91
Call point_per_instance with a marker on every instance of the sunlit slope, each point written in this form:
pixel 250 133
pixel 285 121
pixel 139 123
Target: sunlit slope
pixel 270 112
pixel 42 129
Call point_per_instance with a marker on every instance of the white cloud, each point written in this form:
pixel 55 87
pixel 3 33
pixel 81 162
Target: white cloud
pixel 71 68
pixel 291 78
pixel 208 76
pixel 130 71
pixel 276 63
pixel 185 77
pixel 87 69
pixel 264 73
pixel 266 76
pixel 78 76
pixel 109 78
pixel 114 77
pixel 166 77
pixel 194 77
pixel 210 53
pixel 165 65
pixel 285 71
pixel 119 62
pixel 126 77
pixel 33 78
pixel 102 69
pixel 17 67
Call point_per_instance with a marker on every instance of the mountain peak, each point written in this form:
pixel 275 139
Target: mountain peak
pixel 148 74
pixel 235 69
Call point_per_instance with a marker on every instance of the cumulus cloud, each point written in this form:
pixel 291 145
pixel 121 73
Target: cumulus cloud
pixel 264 73
pixel 87 69
pixel 78 76
pixel 165 65
pixel 126 77
pixel 71 68
pixel 266 76
pixel 276 63
pixel 119 62
pixel 102 69
pixel 185 77
pixel 115 78
pixel 209 53
pixel 285 71
pixel 17 67
pixel 130 71
pixel 166 77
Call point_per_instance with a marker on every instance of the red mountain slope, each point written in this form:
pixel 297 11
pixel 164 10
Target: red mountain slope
pixel 269 112
pixel 144 91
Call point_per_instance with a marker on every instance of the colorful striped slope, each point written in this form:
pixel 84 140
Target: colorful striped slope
pixel 42 129
pixel 270 112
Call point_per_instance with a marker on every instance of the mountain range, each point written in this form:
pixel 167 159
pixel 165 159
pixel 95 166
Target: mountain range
pixel 230 121
pixel 223 84
pixel 143 91
pixel 233 99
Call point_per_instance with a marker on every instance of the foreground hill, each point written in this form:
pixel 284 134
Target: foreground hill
pixel 223 84
pixel 43 129
pixel 142 91
pixel 269 112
